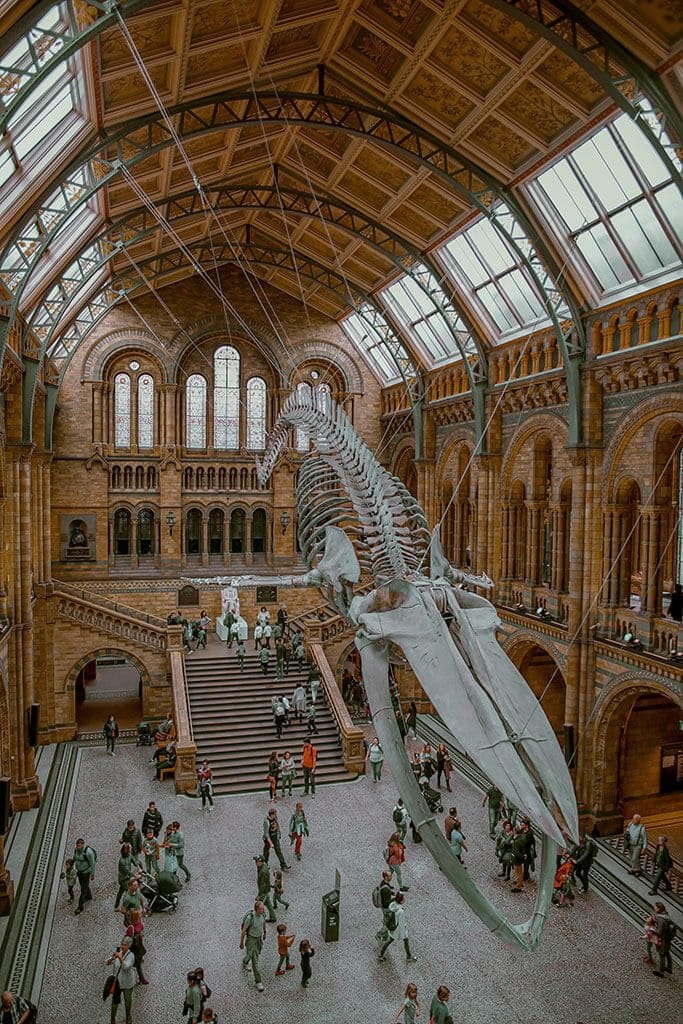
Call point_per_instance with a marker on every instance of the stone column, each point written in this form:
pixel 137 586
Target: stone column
pixel 652 568
pixel 97 403
pixel 556 548
pixel 249 537
pixel 46 574
pixel 505 548
pixel 533 542
pixel 134 540
pixel 204 539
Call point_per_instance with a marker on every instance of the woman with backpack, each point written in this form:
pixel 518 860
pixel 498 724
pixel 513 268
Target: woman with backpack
pixel 398 928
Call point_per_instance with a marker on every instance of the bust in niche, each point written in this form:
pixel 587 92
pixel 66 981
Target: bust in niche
pixel 78 546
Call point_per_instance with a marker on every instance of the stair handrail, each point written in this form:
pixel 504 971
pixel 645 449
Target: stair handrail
pixel 351 736
pixel 69 590
pixel 186 749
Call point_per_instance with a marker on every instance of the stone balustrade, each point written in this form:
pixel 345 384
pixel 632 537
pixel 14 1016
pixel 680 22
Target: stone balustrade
pixel 110 617
pixel 186 750
pixel 351 735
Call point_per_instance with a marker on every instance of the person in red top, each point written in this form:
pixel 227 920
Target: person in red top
pixel 204 784
pixel 309 757
pixel 562 885
pixel 395 857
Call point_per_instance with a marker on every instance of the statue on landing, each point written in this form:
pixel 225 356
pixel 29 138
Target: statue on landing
pixel 356 519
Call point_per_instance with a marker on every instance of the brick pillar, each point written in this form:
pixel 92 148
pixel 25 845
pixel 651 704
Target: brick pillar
pixel 97 404
pixel 249 538
pixel 204 541
pixel 533 542
pixel 652 569
pixel 25 785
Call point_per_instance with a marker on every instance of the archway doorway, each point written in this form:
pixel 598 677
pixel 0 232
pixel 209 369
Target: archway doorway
pixel 643 754
pixel 108 684
pixel 545 679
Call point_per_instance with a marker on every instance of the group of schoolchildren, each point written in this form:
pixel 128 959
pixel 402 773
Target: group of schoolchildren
pixel 195 631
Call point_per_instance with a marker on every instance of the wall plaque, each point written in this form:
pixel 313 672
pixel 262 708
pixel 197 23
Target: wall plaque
pixel 188 595
pixel 266 595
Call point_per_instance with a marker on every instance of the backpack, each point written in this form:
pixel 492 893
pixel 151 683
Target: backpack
pixel 397 815
pixel 669 930
pixel 390 920
pixel 93 851
pixel 376 897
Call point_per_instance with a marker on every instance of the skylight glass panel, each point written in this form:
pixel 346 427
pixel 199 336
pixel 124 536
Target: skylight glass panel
pixel 496 277
pixel 615 199
pixel 44 122
pixel 420 304
pixel 371 346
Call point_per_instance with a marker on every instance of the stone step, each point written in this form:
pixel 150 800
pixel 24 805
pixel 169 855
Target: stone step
pixel 233 726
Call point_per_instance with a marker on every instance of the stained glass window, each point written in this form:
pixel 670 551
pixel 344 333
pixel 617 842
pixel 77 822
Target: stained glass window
pixel 324 397
pixel 145 411
pixel 302 441
pixel 226 398
pixel 122 410
pixel 256 413
pixel 195 411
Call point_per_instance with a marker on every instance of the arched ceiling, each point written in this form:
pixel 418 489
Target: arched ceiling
pixel 471 97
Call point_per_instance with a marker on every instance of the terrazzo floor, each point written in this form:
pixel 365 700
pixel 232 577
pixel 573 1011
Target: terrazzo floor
pixel 588 968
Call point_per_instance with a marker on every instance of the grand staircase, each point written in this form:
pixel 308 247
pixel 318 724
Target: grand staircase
pixel 233 726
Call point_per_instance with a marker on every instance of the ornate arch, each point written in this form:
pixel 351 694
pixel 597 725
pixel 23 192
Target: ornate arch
pixel 227 328
pixel 463 433
pixel 106 652
pixel 537 423
pixel 111 344
pixel 331 353
pixel 625 687
pixel 666 405
pixel 525 638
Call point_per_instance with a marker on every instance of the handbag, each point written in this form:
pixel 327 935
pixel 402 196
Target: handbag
pixel 111 988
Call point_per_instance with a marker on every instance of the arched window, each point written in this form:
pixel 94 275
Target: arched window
pixel 256 413
pixel 145 532
pixel 216 522
pixel 145 411
pixel 226 398
pixel 193 532
pixel 122 532
pixel 324 393
pixel 302 441
pixel 122 410
pixel 195 412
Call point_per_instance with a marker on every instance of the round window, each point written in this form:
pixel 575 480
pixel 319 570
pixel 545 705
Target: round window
pixel 134 364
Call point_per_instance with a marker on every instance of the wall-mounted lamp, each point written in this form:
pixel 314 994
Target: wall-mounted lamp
pixel 284 521
pixel 170 522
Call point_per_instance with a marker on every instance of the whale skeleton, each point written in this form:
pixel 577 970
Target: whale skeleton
pixel 356 519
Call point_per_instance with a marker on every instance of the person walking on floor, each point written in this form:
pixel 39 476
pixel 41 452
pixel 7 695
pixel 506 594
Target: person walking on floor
pixel 177 843
pixel 111 734
pixel 583 855
pixel 234 634
pixel 397 926
pixel 252 936
pixel 284 944
pixel 395 858
pixel 152 819
pixel 193 999
pixel 287 772
pixel 298 828
pixel 666 933
pixel 439 1012
pixel 128 868
pixel 264 887
pixel 411 720
pixel 132 835
pixel 382 897
pixel 204 785
pixel 400 818
pixel 635 842
pixel 14 1009
pixel 662 863
pixel 135 932
pixel 70 876
pixel 150 849
pixel 307 953
pixel 84 861
pixel 309 760
pixel 494 798
pixel 444 766
pixel 457 841
pixel 375 756
pixel 272 839
pixel 123 960
pixel 518 853
pixel 504 850
pixel 410 1007
pixel 279 890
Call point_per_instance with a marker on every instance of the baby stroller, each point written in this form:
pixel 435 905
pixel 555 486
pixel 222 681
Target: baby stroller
pixel 160 892
pixel 432 796
pixel 146 733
